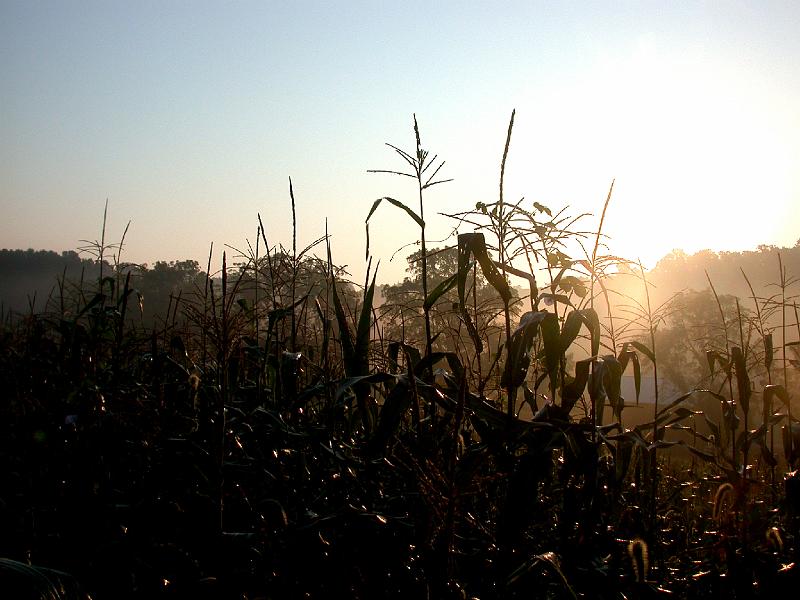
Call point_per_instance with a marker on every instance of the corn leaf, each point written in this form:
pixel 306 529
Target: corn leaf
pixel 441 289
pixel 361 346
pixel 393 352
pixel 519 359
pixel 394 407
pixel 572 392
pixel 768 351
pixel 464 268
pixel 399 205
pixel 626 356
pixel 644 350
pixel 612 384
pixel 474 244
pixel 770 391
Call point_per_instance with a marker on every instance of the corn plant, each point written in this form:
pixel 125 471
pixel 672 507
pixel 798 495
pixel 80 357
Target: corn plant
pixel 274 418
pixel 424 170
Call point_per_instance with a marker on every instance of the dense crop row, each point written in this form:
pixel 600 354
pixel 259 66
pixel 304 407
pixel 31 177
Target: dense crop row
pixel 280 435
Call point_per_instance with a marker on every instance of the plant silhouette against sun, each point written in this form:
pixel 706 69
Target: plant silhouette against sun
pixel 424 170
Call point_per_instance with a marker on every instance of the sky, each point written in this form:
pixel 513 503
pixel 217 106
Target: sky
pixel 190 117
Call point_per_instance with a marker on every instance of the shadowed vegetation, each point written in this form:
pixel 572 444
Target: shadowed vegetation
pixel 275 430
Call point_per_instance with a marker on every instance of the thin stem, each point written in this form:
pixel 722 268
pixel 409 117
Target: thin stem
pixel 730 383
pixel 654 456
pixel 293 335
pixel 501 234
pixel 785 362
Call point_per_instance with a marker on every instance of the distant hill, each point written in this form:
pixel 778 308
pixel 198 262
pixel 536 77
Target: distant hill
pixel 29 277
pixel 38 280
pixel 678 271
pixel 26 275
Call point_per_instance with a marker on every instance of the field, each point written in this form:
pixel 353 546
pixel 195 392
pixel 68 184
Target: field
pixel 278 433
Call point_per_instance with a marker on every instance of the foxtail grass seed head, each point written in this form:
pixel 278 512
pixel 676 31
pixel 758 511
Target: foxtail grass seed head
pixel 774 539
pixel 722 501
pixel 194 381
pixel 640 559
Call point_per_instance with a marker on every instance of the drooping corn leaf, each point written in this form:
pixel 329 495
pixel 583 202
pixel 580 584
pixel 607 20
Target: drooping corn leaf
pixel 452 359
pixel 353 382
pixel 345 334
pixel 715 431
pixel 519 359
pixel 768 351
pixel 394 407
pixel 570 329
pixel 626 356
pixel 766 453
pixel 276 315
pixel 572 392
pixel 396 203
pixel 441 289
pixel 612 384
pixel 770 391
pixel 683 397
pixel 644 350
pixel 326 327
pixel 530 277
pixel 592 322
pixel 474 244
pixel 393 353
pixel 551 299
pixel 597 392
pixel 361 346
pixel 681 413
pixel 713 357
pixel 464 262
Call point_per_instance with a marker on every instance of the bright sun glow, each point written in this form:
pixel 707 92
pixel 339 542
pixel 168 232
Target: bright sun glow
pixel 694 146
pixel 200 121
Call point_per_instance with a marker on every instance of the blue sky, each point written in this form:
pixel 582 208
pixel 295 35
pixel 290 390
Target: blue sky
pixel 190 117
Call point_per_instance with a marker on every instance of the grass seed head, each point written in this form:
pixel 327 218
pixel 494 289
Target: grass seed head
pixel 640 558
pixel 722 501
pixel 774 539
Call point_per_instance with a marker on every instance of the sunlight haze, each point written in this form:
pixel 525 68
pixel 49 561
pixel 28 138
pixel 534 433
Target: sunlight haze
pixel 190 117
